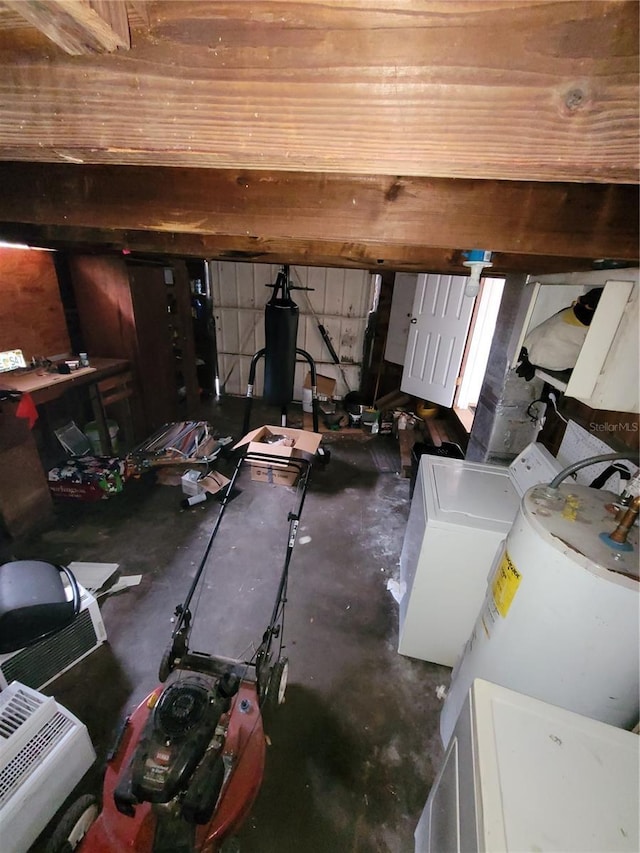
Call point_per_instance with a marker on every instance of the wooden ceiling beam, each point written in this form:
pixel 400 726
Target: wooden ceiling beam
pixel 494 89
pixel 513 217
pixel 376 258
pixel 78 26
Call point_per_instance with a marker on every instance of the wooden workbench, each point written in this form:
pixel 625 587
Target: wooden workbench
pixel 44 386
pixel 24 491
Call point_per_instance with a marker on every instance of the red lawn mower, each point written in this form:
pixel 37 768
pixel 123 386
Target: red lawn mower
pixel 189 761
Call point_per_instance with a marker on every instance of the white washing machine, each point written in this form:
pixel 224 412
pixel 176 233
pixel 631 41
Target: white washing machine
pixel 460 514
pixel 521 774
pixel 560 619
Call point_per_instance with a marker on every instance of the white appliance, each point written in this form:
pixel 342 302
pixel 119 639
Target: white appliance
pixel 44 752
pixel 560 620
pixel 521 774
pixel 38 665
pixel 460 513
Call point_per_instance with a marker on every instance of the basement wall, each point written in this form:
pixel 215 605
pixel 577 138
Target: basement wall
pixel 32 317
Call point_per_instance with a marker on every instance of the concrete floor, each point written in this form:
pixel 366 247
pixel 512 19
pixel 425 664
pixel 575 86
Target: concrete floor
pixel 355 748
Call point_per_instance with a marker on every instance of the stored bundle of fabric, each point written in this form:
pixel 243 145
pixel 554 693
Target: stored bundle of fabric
pixel 556 343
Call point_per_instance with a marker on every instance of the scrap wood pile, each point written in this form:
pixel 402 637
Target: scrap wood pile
pixel 417 422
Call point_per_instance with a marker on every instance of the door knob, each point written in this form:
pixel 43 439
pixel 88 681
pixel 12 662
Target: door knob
pixel 414 319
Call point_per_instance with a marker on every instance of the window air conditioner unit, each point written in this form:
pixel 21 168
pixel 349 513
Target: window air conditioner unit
pixel 39 664
pixel 44 752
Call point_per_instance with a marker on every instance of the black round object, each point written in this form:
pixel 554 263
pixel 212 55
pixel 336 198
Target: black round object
pixel 278 681
pixel 586 305
pixel 33 602
pixel 181 707
pixel 73 825
pixel 353 401
pixel 228 685
pixel 166 664
pixel 276 686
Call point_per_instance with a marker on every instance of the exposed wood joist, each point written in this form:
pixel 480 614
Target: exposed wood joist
pixel 78 27
pixel 361 219
pixel 499 89
pixel 377 258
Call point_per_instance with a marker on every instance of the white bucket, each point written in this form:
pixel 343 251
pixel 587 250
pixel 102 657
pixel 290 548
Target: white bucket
pixel 307 400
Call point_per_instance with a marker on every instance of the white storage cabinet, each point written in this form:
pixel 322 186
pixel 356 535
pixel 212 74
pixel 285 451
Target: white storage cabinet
pixel 606 373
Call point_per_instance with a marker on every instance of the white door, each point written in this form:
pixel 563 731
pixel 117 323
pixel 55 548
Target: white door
pixel 438 331
pixel 404 292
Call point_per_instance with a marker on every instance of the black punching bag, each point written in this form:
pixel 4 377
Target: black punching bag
pixel 280 336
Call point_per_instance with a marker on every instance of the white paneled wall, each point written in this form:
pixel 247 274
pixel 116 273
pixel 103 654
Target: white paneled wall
pixel 341 300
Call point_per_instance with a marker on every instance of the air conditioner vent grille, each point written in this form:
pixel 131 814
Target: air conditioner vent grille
pixel 44 752
pixel 33 753
pixel 20 706
pixel 38 664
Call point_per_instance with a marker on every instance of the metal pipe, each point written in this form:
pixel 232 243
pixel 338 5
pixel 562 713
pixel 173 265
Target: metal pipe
pixel 591 460
pixel 211 326
pixel 621 532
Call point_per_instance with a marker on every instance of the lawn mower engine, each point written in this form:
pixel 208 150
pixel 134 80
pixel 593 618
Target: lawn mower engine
pixel 185 772
pixel 179 758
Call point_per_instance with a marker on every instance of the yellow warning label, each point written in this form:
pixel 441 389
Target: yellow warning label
pixel 505 584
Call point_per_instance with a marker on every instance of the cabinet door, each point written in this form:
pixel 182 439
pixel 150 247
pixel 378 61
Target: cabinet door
pixel 155 361
pixel 606 373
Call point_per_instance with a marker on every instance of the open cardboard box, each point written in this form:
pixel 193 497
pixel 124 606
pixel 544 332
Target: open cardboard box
pixel 300 444
pixel 325 385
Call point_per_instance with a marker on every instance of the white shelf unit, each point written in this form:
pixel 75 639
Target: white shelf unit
pixel 606 373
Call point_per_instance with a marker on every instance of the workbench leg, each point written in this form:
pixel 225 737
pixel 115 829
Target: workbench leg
pixel 100 419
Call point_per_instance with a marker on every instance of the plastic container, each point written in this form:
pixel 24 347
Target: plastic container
pixel 190 484
pixel 425 409
pixel 307 400
pixel 92 433
pixel 370 418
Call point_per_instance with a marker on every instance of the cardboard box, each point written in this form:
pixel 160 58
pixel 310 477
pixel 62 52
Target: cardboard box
pixel 296 444
pixel 87 478
pixel 77 491
pixel 325 385
pixel 214 482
